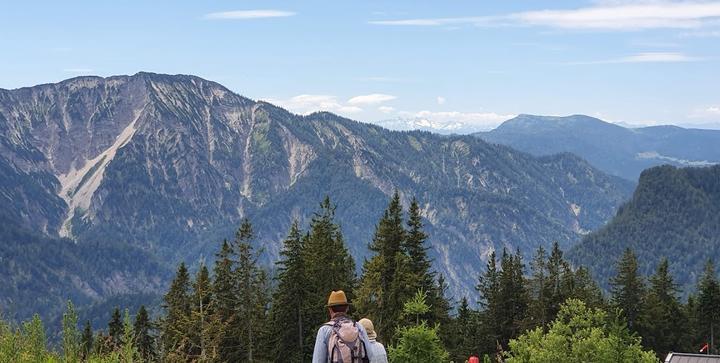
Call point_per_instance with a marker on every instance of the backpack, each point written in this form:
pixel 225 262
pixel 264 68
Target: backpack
pixel 345 344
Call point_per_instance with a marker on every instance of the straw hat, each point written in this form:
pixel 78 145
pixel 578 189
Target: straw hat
pixel 369 328
pixel 337 298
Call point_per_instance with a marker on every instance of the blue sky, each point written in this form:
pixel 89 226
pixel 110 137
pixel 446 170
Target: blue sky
pixel 471 63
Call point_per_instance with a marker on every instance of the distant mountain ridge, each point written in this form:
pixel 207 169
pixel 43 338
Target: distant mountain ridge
pixel 674 213
pixel 170 164
pixel 616 150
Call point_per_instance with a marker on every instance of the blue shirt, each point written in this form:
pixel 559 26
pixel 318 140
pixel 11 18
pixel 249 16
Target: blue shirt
pixel 321 349
pixel 378 351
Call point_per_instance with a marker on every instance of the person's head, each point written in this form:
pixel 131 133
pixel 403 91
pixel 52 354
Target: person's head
pixel 369 328
pixel 337 303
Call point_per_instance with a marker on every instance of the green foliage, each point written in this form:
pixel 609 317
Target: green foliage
pixel 72 351
pixel 662 321
pixel 579 334
pixel 418 343
pixel 416 306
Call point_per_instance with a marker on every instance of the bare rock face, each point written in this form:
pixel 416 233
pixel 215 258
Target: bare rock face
pixel 170 164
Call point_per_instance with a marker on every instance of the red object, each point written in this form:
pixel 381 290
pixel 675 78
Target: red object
pixel 474 359
pixel 704 348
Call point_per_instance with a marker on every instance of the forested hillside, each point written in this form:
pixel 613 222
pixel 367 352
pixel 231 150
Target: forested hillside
pixel 674 214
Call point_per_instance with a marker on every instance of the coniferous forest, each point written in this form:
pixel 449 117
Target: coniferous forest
pixel 540 310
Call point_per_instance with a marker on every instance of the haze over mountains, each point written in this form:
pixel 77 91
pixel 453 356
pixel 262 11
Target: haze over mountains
pixel 614 149
pixel 170 164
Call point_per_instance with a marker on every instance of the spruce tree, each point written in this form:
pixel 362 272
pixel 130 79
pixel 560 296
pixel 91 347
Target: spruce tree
pixel 200 312
pixel 251 286
pixel 586 289
pixel 177 307
pixel 388 276
pixel 662 322
pixel 628 289
pixel 224 301
pixel 144 340
pixel 289 326
pixel 328 265
pixel 115 328
pixel 559 281
pixel 423 277
pixel 539 291
pixel 464 333
pixel 71 344
pixel 707 305
pixel 86 340
pixel 491 314
pixel 513 296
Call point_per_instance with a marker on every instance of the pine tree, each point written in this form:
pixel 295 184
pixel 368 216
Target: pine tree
pixel 707 305
pixel 491 305
pixel 662 321
pixel 389 277
pixel 464 333
pixel 414 246
pixel 86 340
pixel 513 296
pixel 144 341
pixel 177 306
pixel 289 327
pixel 200 312
pixel 224 303
pixel 115 328
pixel 251 285
pixel 539 290
pixel 440 311
pixel 560 278
pixel 628 289
pixel 586 289
pixel 328 265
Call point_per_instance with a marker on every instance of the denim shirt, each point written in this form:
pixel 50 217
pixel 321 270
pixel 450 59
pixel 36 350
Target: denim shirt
pixel 378 351
pixel 320 353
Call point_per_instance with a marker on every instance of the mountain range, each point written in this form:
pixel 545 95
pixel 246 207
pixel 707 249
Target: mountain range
pixel 136 173
pixel 612 148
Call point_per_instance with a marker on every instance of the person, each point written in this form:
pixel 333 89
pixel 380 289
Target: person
pixel 341 340
pixel 380 355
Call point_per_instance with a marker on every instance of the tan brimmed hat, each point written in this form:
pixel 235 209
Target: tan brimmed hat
pixel 337 298
pixel 369 328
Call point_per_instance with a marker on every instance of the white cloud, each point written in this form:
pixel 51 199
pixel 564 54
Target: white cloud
pixel 307 104
pixel 248 14
pixel 713 110
pixel 603 16
pixel 386 109
pixel 649 57
pixel 77 70
pixel 371 99
pixel 441 100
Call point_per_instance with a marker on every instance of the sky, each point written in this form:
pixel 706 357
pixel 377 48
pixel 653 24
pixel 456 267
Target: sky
pixel 453 65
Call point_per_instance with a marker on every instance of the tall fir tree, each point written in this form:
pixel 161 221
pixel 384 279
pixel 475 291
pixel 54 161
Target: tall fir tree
pixel 491 314
pixel 661 321
pixel 628 289
pixel 559 281
pixel 539 291
pixel 177 312
pixel 464 333
pixel 513 296
pixel 288 323
pixel 115 328
pixel 251 290
pixel 224 302
pixel 708 303
pixel 388 277
pixel 328 265
pixel 200 312
pixel 144 339
pixel 423 277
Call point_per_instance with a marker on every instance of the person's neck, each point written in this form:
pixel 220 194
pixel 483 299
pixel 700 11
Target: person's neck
pixel 338 315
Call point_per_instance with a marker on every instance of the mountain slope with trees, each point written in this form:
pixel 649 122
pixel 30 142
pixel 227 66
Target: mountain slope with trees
pixel 674 214
pixel 172 164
